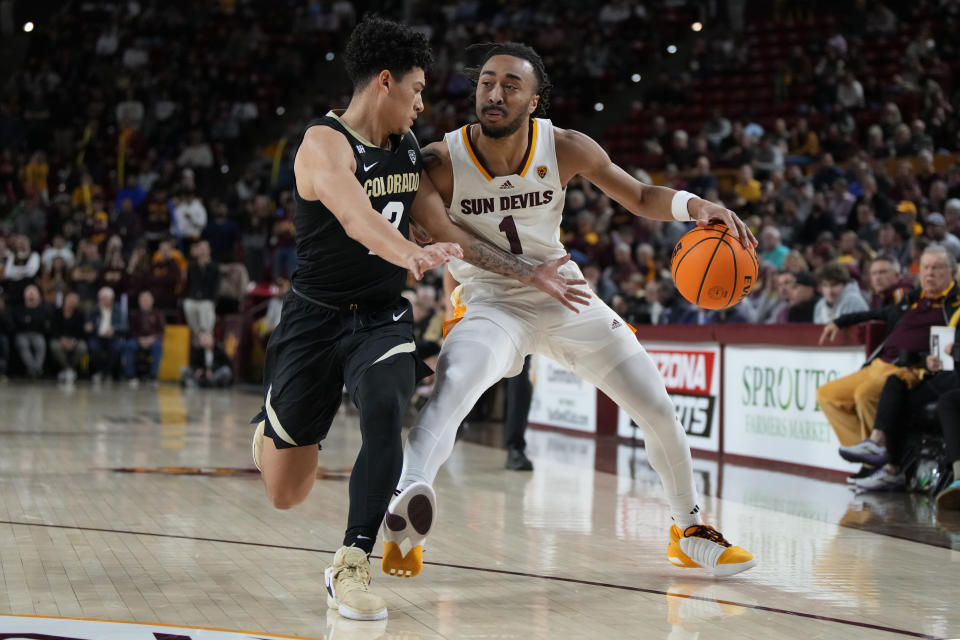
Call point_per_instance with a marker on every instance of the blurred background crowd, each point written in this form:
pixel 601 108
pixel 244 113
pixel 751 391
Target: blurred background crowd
pixel 146 153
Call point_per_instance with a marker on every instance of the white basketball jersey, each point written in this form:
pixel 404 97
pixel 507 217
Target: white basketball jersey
pixel 520 213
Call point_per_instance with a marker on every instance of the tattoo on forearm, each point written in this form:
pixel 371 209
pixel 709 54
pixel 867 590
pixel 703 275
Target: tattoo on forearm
pixel 486 256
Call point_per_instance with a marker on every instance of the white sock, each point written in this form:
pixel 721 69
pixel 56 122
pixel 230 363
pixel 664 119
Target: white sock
pixel 685 515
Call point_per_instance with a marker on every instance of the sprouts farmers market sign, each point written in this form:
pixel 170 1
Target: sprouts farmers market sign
pixel 561 398
pixel 691 373
pixel 770 402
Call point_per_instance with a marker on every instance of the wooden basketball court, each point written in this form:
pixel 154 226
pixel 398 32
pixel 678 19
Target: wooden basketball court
pixel 140 506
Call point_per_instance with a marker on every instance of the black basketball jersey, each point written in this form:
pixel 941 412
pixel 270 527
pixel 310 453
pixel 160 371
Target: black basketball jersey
pixel 331 266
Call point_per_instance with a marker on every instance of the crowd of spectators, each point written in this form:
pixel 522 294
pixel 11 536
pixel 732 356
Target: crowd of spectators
pixel 144 147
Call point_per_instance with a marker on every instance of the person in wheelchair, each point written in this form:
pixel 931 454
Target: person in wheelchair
pixel 895 445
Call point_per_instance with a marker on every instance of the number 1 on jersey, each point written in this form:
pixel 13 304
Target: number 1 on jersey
pixel 509 227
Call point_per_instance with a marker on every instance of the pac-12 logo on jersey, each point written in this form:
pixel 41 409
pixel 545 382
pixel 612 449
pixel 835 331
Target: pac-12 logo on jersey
pixel 542 172
pixel 413 156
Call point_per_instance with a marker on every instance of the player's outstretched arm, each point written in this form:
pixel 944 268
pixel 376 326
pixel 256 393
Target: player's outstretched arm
pixel 429 212
pixel 324 169
pixel 578 154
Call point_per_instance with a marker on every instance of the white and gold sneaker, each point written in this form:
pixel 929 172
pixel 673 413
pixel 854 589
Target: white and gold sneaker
pixel 409 518
pixel 348 586
pixel 701 546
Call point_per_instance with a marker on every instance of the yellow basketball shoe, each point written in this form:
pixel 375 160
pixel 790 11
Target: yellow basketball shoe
pixel 703 547
pixel 409 518
pixel 257 445
pixel 348 586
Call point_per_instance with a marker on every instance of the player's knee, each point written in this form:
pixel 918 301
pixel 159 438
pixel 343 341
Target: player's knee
pixel 824 396
pixel 457 373
pixel 284 498
pixel 383 405
pixel 864 393
pixel 663 410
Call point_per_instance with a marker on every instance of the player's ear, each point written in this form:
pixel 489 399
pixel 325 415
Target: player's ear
pixel 533 104
pixel 384 78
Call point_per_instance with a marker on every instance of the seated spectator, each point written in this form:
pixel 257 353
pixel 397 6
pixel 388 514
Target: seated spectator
pixel 167 275
pixel 841 294
pixel 54 282
pixel 223 234
pixel 795 262
pixel 747 188
pixel 146 337
pixel 67 345
pixel 86 273
pixel 850 403
pixel 886 451
pixel 891 243
pixel 936 230
pixel 203 286
pixel 265 327
pixel 132 192
pixel 57 249
pixel 114 274
pixel 209 365
pixel 427 320
pixel 772 250
pixel 767 296
pixel 106 335
pixel 702 180
pixel 189 219
pixel 802 298
pixel 22 266
pixel 886 284
pixel 31 325
pixel 676 310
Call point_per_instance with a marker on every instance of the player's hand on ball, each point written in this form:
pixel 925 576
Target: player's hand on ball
pixel 829 333
pixel 569 291
pixel 432 256
pixel 710 212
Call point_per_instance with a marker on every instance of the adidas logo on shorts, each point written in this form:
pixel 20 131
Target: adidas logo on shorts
pixel 616 323
pixel 506 185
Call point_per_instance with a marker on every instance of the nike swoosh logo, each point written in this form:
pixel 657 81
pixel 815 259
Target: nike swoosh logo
pixel 367 167
pixel 397 316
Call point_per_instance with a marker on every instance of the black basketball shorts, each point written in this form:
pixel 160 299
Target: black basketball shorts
pixel 314 352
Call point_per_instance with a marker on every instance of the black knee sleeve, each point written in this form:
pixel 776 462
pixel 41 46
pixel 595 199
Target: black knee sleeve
pixel 382 396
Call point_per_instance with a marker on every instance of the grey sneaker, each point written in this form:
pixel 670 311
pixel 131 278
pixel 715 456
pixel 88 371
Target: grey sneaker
pixel 348 586
pixel 867 452
pixel 882 480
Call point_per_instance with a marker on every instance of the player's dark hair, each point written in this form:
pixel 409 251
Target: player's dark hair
pixel 377 44
pixel 487 50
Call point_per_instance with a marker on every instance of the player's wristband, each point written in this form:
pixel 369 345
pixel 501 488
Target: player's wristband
pixel 678 207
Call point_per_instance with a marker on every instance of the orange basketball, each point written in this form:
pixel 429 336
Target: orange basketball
pixel 711 268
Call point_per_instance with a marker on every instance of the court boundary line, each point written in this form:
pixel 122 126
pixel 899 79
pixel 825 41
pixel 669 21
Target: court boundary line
pixel 592 583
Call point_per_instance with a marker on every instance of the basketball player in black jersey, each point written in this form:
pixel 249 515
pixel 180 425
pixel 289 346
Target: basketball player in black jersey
pixel 344 321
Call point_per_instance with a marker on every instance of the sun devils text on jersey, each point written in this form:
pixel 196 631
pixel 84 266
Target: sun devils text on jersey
pixel 331 266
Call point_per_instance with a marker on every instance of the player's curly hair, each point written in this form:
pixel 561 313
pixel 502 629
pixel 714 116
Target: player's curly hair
pixel 487 50
pixel 377 44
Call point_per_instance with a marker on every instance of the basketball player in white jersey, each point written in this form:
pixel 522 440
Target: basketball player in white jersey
pixel 504 179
